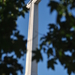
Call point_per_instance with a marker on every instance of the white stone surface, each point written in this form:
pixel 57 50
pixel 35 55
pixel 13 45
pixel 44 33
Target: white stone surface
pixel 32 44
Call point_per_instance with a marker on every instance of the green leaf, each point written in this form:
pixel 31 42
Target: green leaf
pixel 50 64
pixel 37 55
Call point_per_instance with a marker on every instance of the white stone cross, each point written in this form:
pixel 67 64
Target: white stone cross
pixel 32 44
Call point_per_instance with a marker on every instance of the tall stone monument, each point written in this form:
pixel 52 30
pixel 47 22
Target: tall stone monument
pixel 32 44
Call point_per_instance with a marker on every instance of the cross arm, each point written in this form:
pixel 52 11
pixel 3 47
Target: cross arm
pixel 36 1
pixel 29 3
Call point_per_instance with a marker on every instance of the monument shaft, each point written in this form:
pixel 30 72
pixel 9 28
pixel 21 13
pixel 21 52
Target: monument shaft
pixel 32 44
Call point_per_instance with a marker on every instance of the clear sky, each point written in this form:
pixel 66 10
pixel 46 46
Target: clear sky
pixel 44 19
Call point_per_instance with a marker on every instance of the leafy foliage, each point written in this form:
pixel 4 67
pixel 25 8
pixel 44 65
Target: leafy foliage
pixel 10 10
pixel 10 66
pixel 61 36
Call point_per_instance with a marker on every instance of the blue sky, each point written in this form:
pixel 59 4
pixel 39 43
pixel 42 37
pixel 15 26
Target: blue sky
pixel 44 19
